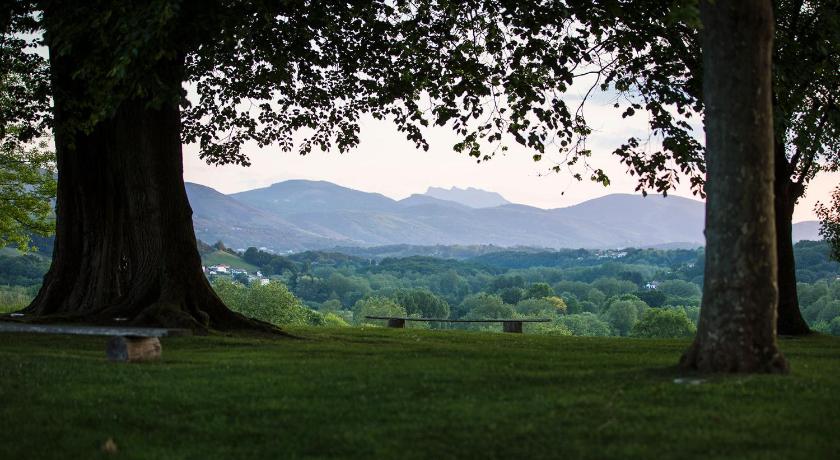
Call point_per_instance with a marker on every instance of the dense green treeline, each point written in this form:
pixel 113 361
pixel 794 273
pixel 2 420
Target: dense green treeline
pixel 643 292
pixel 22 270
pixel 631 292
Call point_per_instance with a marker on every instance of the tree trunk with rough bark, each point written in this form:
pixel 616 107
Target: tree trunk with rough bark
pixel 786 192
pixel 124 245
pixel 737 327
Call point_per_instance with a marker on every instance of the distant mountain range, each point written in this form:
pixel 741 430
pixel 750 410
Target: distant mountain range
pixel 298 215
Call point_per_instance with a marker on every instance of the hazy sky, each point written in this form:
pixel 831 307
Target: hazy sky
pixel 386 163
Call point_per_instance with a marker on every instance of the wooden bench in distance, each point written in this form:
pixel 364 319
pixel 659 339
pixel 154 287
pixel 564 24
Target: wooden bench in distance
pixel 508 325
pixel 127 344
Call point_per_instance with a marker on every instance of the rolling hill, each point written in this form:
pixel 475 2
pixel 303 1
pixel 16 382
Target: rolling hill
pixel 217 216
pixel 298 215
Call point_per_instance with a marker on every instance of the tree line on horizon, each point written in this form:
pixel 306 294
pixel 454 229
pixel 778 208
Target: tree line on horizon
pixel 512 283
pixel 581 291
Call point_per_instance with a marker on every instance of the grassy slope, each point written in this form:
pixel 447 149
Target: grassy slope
pixel 382 393
pixel 222 257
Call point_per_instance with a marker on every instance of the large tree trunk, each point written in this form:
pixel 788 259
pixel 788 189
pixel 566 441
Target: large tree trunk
pixel 790 321
pixel 737 327
pixel 125 246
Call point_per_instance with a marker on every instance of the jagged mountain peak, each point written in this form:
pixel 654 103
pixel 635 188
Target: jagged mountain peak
pixel 470 196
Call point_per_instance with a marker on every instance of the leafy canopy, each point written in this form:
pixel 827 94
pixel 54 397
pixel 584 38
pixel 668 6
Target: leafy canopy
pixel 376 306
pixel 27 185
pixel 263 71
pixel 664 323
pixel 301 74
pixel 27 170
pixel 830 223
pixel 272 303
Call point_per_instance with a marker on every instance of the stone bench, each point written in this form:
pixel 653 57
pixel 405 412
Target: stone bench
pixel 127 344
pixel 508 325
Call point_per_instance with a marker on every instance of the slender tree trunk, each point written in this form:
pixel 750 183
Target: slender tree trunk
pixel 125 245
pixel 737 327
pixel 790 321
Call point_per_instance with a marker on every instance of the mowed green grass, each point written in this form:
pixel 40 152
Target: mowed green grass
pixel 380 393
pixel 226 258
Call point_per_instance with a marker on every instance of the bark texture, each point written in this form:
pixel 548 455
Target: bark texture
pixel 786 192
pixel 737 327
pixel 124 244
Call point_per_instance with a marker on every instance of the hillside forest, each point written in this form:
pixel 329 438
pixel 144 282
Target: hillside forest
pixel 630 292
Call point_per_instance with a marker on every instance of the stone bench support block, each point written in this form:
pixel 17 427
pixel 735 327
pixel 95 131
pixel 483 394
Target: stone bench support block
pixel 133 349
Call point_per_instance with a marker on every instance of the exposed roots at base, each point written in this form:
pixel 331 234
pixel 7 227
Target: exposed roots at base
pixel 732 361
pixel 162 315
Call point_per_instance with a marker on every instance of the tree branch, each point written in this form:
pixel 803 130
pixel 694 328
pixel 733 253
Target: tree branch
pixel 810 156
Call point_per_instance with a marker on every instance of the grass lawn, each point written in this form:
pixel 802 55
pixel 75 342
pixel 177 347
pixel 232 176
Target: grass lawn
pixel 380 393
pixel 226 258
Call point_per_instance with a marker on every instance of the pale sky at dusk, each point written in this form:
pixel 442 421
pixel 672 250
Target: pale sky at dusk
pixel 386 163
